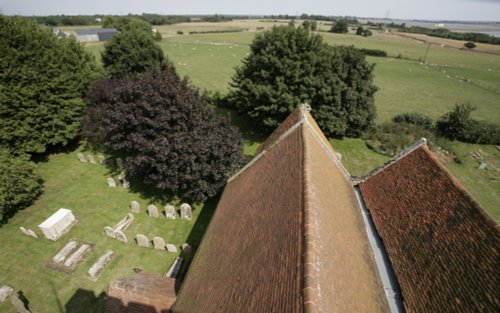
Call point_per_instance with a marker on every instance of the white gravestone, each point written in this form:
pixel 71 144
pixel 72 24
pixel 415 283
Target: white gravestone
pixel 102 159
pixel 97 268
pixel 171 248
pixel 76 256
pixel 186 211
pixel 152 210
pixel 5 292
pixel 91 159
pixel 109 232
pixel 63 253
pixel 58 224
pixel 111 182
pixel 170 212
pixel 82 158
pixel 159 243
pixel 32 233
pixel 135 206
pixel 120 236
pixel 142 240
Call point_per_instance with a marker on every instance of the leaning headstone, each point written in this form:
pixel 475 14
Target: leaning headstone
pixel 31 233
pixel 63 253
pixel 135 206
pixel 111 182
pixel 102 159
pixel 76 256
pixel 91 159
pixel 152 210
pixel 170 211
pixel 159 243
pixel 125 183
pixel 19 305
pixel 120 236
pixel 97 268
pixel 109 232
pixel 119 163
pixel 142 240
pixel 483 166
pixel 186 212
pixel 5 292
pixel 82 158
pixel 171 248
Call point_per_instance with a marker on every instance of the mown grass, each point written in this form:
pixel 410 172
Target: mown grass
pixel 83 189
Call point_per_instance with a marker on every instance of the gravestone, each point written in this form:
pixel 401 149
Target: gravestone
pixel 159 243
pixel 76 256
pixel 31 233
pixel 24 231
pixel 109 232
pixel 19 305
pixel 135 206
pixel 5 292
pixel 119 163
pixel 111 182
pixel 120 236
pixel 186 212
pixel 125 183
pixel 186 250
pixel 96 269
pixel 171 248
pixel 102 159
pixel 124 223
pixel 152 210
pixel 63 253
pixel 483 166
pixel 82 158
pixel 142 240
pixel 91 159
pixel 170 211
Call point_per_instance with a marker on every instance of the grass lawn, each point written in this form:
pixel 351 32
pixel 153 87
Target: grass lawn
pixel 83 189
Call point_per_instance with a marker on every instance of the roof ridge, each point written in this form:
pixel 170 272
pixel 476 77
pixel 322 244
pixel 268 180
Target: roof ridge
pixel 359 179
pixel 303 108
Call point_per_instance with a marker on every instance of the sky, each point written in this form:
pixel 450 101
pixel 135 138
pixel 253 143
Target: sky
pixel 465 10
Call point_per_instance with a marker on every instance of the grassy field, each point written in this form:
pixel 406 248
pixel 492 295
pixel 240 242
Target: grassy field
pixel 83 189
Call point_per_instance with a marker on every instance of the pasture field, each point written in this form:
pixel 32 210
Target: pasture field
pixel 83 189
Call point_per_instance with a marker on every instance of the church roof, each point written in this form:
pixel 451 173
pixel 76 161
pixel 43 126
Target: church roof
pixel 445 251
pixel 287 235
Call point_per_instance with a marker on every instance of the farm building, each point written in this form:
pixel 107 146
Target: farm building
pixel 95 35
pixel 294 232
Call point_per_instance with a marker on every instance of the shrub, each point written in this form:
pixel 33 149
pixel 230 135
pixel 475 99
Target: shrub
pixel 414 118
pixel 469 45
pixel 373 52
pixel 19 184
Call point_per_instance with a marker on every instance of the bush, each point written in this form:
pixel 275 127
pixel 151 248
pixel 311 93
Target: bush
pixel 414 118
pixel 459 125
pixel 180 32
pixel 373 52
pixel 340 27
pixel 19 184
pixel 470 45
pixel 172 140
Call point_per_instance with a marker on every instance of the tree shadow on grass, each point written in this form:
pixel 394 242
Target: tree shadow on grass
pixel 247 128
pixel 60 148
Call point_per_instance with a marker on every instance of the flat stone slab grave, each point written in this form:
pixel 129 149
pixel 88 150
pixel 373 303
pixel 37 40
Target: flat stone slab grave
pixel 70 255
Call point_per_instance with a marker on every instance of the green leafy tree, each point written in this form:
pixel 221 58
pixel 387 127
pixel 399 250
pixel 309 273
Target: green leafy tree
pixel 132 52
pixel 314 26
pixel 289 66
pixel 469 45
pixel 173 141
pixel 340 27
pixel 367 33
pixel 42 82
pixel 19 184
pixel 306 25
pixel 457 123
pixel 360 31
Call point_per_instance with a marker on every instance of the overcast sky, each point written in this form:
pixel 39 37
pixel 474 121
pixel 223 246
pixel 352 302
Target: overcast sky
pixel 477 10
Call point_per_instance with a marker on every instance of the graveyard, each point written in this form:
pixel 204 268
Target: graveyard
pixel 42 268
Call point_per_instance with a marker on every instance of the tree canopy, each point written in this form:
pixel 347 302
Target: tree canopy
pixel 42 82
pixel 340 27
pixel 131 52
pixel 288 66
pixel 172 140
pixel 19 184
